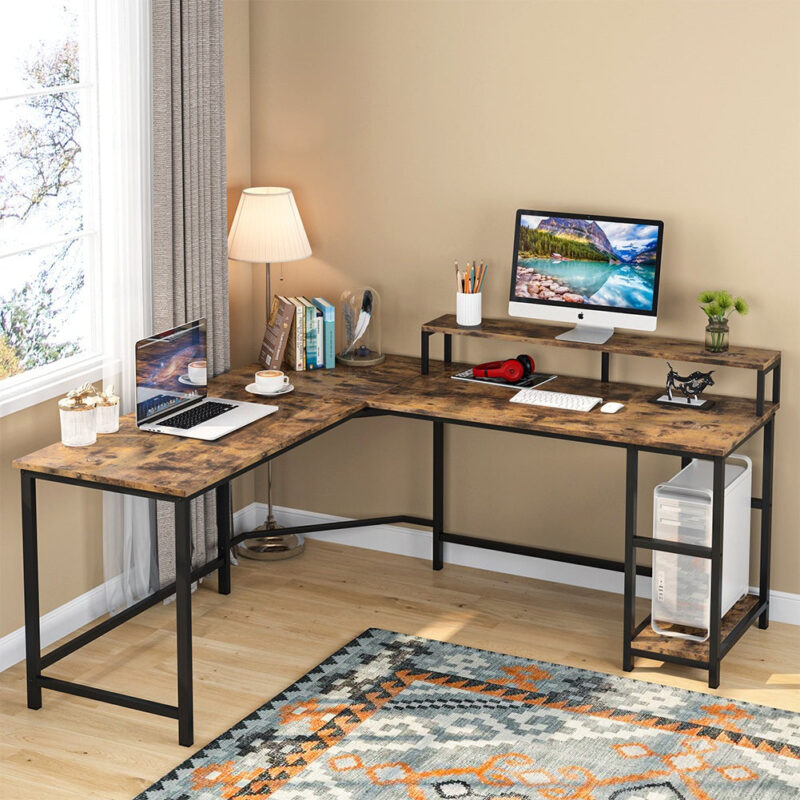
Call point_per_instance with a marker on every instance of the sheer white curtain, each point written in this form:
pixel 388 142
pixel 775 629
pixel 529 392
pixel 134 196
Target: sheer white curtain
pixel 124 115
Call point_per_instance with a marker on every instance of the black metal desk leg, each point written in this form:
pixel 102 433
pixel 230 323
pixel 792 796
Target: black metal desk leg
pixel 224 537
pixel 448 348
pixel 30 569
pixel 438 494
pixel 183 611
pixel 424 354
pixel 715 622
pixel 776 382
pixel 629 614
pixel 605 365
pixel 766 518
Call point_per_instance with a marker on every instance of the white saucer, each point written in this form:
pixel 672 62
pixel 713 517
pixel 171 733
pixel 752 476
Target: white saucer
pixel 251 387
pixel 187 381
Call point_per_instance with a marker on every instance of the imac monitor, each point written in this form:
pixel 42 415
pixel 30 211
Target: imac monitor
pixel 598 272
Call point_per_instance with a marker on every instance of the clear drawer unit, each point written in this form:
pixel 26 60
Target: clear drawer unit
pixel 682 513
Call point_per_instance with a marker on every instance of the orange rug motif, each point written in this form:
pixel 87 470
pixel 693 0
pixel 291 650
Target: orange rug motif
pixel 397 717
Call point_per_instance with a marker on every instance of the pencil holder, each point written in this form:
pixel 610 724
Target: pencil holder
pixel 468 309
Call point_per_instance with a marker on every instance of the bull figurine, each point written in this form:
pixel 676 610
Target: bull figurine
pixel 691 386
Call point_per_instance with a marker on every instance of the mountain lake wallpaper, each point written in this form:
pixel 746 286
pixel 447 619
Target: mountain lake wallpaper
pixel 583 261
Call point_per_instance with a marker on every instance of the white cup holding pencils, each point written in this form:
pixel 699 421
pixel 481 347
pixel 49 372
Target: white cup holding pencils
pixel 468 309
pixel 469 283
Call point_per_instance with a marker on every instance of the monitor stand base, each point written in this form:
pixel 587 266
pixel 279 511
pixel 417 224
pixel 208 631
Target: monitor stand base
pixel 586 334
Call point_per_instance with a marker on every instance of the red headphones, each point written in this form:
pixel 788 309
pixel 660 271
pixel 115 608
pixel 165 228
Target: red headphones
pixel 513 370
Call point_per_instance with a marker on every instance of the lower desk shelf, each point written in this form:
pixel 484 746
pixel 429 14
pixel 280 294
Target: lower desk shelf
pixel 654 645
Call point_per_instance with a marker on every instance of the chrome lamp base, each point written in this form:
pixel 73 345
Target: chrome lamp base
pixel 274 546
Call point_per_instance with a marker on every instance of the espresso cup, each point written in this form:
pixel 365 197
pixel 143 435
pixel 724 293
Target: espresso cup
pixel 197 372
pixel 271 380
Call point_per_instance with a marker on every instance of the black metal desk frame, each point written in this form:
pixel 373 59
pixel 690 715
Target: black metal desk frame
pixel 36 661
pixel 718 647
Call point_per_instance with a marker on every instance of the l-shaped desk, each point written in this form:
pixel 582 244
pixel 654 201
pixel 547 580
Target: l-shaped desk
pixel 177 470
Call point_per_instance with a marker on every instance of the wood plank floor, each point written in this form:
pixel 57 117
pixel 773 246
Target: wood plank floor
pixel 280 620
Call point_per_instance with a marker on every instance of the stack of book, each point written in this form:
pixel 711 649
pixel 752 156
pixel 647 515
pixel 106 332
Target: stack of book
pixel 300 334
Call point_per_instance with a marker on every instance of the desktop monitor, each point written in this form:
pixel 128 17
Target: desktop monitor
pixel 598 272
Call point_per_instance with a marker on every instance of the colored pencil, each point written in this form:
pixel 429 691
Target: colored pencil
pixel 470 280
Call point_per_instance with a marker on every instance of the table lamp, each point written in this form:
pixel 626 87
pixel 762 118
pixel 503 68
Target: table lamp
pixel 267 228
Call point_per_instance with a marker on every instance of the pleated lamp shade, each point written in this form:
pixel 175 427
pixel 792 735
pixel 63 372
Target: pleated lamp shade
pixel 267 227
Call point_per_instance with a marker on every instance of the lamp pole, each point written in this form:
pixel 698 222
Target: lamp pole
pixel 270 523
pixel 267 228
pixel 276 546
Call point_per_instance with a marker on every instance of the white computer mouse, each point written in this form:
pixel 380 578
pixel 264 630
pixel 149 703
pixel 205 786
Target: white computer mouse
pixel 612 408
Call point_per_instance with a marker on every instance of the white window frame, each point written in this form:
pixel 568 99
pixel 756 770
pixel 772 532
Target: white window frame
pixel 43 383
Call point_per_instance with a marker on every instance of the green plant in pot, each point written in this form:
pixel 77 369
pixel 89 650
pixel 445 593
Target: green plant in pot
pixel 718 306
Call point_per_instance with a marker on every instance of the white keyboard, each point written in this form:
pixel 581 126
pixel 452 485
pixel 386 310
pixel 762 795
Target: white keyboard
pixel 569 402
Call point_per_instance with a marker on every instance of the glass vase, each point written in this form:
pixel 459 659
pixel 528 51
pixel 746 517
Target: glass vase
pixel 717 340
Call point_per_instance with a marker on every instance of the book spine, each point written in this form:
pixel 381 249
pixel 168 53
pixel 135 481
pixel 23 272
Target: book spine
pixel 329 326
pixel 295 348
pixel 320 338
pixel 301 335
pixel 330 344
pixel 285 320
pixel 311 335
pixel 267 352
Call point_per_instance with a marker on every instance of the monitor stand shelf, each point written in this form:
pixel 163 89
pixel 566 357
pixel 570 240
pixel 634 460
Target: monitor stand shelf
pixel 630 344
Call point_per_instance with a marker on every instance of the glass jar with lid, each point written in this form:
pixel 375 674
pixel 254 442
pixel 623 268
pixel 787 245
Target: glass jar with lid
pixel 359 328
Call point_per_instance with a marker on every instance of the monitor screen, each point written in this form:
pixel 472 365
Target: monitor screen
pixel 162 374
pixel 592 262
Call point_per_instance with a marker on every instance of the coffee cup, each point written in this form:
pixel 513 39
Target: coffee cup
pixel 197 372
pixel 271 380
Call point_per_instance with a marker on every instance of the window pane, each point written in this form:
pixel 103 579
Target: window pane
pixel 44 310
pixel 39 44
pixel 40 169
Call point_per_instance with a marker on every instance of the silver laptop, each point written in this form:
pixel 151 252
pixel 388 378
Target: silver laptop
pixel 171 388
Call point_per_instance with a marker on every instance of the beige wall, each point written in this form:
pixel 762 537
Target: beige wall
pixel 70 533
pixel 411 131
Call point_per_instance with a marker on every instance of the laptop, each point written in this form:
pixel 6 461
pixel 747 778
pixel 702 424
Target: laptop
pixel 171 400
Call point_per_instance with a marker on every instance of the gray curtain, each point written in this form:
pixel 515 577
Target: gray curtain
pixel 190 267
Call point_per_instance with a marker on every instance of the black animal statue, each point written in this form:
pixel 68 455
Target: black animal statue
pixel 691 386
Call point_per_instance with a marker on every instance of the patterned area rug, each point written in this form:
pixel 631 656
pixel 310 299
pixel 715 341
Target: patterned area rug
pixel 396 717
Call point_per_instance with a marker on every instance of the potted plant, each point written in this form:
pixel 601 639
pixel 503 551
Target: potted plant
pixel 718 306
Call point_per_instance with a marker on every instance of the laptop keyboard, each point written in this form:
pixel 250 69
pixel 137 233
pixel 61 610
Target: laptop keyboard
pixel 194 416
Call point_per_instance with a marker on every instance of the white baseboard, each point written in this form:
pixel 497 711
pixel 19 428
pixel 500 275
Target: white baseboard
pixel 56 624
pixel 64 620
pixel 784 607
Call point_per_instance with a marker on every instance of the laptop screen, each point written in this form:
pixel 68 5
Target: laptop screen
pixel 163 379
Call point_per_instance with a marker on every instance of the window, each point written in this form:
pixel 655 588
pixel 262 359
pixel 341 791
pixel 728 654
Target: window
pixel 49 240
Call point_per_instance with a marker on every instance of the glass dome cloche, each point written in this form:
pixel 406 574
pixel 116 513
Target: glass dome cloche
pixel 359 332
